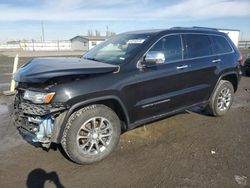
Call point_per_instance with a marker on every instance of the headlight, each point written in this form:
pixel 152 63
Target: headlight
pixel 38 97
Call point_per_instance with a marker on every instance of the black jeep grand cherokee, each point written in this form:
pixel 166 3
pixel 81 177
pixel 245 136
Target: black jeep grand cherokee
pixel 129 80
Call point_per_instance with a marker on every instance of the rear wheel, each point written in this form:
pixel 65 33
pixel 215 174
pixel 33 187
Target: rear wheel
pixel 222 99
pixel 91 134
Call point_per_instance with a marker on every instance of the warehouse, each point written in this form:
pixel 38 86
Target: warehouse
pixel 85 43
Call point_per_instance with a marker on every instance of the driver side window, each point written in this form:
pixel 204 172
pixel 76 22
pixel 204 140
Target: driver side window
pixel 170 46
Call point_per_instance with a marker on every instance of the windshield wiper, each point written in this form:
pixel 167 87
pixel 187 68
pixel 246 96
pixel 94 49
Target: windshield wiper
pixel 92 59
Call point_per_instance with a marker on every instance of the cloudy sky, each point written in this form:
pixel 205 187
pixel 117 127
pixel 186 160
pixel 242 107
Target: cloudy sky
pixel 64 19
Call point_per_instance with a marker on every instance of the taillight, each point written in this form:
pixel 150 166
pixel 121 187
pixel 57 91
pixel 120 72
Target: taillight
pixel 241 59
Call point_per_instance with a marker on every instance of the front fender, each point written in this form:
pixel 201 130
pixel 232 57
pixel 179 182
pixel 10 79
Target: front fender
pixel 60 124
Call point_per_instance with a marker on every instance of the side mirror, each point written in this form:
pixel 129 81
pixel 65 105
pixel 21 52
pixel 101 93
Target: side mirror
pixel 154 58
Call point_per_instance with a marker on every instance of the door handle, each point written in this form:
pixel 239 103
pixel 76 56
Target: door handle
pixel 182 67
pixel 216 60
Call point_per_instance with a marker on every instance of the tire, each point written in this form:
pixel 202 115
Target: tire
pixel 221 100
pixel 91 134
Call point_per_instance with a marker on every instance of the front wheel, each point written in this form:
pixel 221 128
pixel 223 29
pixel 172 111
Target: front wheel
pixel 222 99
pixel 91 134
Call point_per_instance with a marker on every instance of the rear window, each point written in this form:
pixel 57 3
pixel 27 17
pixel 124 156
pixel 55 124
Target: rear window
pixel 197 45
pixel 221 45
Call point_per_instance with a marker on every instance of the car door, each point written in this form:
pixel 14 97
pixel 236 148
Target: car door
pixel 225 57
pixel 161 88
pixel 203 65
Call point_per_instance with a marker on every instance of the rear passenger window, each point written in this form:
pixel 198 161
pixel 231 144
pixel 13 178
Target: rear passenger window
pixel 221 45
pixel 197 45
pixel 170 46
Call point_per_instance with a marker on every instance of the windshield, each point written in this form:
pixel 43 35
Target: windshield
pixel 117 49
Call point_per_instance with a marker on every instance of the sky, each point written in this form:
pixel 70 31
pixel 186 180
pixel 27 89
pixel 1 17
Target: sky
pixel 64 19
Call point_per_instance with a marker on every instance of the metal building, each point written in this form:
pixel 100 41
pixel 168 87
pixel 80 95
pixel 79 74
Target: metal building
pixel 85 43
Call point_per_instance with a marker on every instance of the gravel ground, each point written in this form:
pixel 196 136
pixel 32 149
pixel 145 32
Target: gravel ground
pixel 190 149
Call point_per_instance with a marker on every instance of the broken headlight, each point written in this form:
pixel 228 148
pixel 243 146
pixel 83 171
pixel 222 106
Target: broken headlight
pixel 38 97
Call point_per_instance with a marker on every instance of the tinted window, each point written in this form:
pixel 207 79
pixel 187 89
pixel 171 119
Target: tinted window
pixel 170 46
pixel 221 45
pixel 197 45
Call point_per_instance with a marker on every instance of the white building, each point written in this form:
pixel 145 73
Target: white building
pixel 85 43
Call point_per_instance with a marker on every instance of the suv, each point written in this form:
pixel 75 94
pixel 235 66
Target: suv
pixel 131 79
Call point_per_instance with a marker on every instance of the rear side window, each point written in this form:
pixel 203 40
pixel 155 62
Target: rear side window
pixel 197 45
pixel 221 45
pixel 170 46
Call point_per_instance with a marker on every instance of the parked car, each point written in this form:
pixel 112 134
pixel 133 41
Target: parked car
pixel 247 65
pixel 131 79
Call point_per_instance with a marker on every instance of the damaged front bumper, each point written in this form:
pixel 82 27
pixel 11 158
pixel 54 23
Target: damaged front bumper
pixel 38 122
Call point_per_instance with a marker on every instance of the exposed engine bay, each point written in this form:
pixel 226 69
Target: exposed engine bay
pixel 36 121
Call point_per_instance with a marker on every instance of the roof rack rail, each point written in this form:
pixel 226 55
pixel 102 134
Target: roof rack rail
pixel 172 28
pixel 195 27
pixel 208 28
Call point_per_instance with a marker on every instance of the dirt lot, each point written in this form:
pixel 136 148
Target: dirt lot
pixel 186 150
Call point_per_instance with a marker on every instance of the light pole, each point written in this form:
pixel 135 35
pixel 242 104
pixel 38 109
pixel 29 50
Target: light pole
pixel 42 31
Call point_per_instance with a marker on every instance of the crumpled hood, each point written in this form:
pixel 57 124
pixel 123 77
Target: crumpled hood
pixel 39 70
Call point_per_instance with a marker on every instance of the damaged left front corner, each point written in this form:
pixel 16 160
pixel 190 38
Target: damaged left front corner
pixel 36 121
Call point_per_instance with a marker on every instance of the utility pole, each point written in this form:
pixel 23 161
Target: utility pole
pixel 42 31
pixel 107 31
pixel 241 36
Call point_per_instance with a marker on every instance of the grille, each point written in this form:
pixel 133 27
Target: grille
pixel 35 109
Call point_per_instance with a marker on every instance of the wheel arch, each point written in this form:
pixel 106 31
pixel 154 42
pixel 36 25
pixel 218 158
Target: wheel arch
pixel 112 102
pixel 231 77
